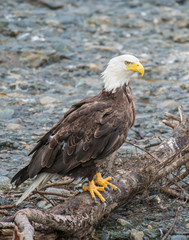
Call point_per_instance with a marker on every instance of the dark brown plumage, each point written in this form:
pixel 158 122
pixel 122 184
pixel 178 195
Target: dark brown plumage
pixel 88 133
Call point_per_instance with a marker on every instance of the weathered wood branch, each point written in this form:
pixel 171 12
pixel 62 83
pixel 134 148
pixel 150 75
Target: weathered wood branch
pixel 76 217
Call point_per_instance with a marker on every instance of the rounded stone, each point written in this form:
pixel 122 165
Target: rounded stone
pixel 41 204
pixel 14 126
pixel 123 222
pixel 47 100
pixel 187 226
pixel 136 235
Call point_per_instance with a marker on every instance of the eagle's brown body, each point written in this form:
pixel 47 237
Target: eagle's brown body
pixel 89 132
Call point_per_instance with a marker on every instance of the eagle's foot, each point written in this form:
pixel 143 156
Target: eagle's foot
pixel 104 182
pixel 94 190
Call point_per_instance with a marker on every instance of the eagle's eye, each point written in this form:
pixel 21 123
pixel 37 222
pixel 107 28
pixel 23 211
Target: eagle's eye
pixel 127 63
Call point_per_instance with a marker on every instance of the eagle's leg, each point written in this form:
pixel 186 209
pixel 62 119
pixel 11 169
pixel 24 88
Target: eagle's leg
pixel 93 189
pixel 104 182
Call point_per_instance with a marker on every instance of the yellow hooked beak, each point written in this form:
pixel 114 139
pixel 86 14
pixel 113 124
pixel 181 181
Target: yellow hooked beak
pixel 137 67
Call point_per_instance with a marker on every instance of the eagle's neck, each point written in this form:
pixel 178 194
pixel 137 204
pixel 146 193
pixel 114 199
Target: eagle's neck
pixel 119 93
pixel 114 79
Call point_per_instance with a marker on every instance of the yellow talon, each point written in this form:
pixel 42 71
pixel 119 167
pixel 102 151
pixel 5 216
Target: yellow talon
pixel 93 189
pixel 104 182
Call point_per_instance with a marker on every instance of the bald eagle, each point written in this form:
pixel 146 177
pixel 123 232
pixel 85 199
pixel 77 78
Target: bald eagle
pixel 87 134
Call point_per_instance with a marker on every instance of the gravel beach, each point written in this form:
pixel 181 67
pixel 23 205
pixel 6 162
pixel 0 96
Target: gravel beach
pixel 52 54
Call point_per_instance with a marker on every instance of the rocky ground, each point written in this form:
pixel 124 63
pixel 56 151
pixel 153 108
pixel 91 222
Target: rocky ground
pixel 52 54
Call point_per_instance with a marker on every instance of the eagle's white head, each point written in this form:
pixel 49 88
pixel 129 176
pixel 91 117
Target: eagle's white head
pixel 119 70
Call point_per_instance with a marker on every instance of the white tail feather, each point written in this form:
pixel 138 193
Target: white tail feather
pixel 38 183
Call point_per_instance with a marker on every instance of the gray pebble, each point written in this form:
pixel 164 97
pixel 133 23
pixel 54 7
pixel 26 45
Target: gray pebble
pixel 41 204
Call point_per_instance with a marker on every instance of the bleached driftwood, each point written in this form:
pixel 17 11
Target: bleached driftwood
pixel 76 217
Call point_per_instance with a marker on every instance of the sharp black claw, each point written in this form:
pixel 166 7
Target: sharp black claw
pixel 111 187
pixel 105 202
pixel 107 188
pixel 94 200
pixel 119 189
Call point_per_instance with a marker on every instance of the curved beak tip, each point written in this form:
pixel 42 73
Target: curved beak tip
pixel 140 69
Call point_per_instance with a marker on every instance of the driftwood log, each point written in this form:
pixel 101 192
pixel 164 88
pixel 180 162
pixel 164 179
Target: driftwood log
pixel 77 217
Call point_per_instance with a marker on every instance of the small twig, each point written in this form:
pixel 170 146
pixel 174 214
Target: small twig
pixel 52 193
pixel 172 157
pixel 59 199
pixel 59 183
pixel 40 193
pixel 142 150
pixel 147 139
pixel 173 225
pixel 169 115
pixel 138 133
pixel 184 174
pixel 4 212
pixel 178 186
pixel 161 140
pixel 180 179
pixel 173 193
pixel 169 124
pixel 182 116
pixel 152 145
pixel 185 186
pixel 181 119
pixel 7 206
